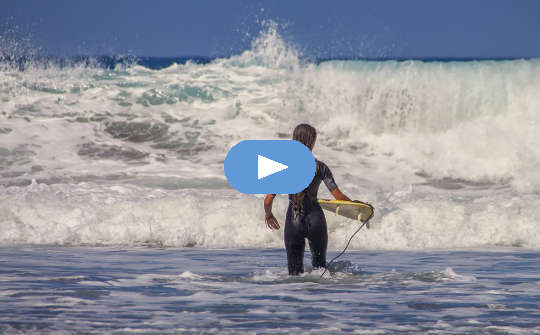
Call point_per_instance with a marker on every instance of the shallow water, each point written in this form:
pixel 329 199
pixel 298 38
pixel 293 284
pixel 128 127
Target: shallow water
pixel 50 289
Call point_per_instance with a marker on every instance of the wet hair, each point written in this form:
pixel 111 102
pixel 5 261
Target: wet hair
pixel 305 134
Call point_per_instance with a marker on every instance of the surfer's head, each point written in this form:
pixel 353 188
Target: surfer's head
pixel 305 134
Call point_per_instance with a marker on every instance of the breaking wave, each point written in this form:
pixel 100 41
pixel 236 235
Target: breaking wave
pixel 448 152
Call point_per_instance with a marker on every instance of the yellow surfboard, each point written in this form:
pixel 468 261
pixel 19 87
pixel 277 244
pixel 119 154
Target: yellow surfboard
pixel 350 209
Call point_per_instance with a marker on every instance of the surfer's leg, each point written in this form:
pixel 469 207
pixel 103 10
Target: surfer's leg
pixel 294 244
pixel 318 237
pixel 295 258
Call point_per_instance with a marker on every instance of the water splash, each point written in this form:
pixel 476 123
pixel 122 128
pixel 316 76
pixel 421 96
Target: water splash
pixel 447 152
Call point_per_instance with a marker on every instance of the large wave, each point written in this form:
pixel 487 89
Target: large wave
pixel 460 139
pixel 90 214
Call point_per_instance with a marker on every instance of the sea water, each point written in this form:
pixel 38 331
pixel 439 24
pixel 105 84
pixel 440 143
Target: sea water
pixel 95 290
pixel 115 214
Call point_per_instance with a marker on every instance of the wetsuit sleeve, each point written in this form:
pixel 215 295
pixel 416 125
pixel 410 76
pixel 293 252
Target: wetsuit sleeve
pixel 327 177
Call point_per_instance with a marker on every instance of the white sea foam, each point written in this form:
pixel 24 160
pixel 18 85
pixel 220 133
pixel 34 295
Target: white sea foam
pixel 446 151
pixel 89 214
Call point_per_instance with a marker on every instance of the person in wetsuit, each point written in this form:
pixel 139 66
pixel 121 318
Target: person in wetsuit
pixel 305 218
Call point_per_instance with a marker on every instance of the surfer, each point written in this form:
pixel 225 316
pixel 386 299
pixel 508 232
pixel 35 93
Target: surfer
pixel 305 218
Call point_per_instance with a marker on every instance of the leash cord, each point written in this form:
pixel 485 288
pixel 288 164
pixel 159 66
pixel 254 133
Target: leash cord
pixel 349 242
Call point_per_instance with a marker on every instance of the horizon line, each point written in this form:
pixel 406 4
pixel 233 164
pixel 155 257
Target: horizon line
pixel 318 59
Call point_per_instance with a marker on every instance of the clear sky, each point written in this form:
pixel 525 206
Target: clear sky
pixel 393 29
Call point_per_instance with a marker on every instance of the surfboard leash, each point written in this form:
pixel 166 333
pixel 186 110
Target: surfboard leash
pixel 349 242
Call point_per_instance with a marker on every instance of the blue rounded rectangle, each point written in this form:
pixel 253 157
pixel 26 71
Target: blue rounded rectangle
pixel 269 166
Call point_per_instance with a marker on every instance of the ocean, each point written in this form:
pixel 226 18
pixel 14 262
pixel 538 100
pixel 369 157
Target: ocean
pixel 116 217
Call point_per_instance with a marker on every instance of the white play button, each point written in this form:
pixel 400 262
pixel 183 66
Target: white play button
pixel 258 166
pixel 266 167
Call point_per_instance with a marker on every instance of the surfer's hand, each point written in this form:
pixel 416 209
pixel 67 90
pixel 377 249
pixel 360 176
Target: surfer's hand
pixel 271 222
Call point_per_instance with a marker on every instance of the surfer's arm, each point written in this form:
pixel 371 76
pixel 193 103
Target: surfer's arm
pixel 271 221
pixel 339 195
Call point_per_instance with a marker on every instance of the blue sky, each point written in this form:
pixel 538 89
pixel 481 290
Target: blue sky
pixel 392 29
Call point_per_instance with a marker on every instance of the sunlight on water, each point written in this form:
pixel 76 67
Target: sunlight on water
pixel 96 290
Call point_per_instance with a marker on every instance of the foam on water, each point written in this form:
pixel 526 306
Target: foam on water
pixel 91 214
pixel 446 151
pixel 51 289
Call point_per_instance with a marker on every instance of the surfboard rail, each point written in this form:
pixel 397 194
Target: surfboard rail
pixel 356 210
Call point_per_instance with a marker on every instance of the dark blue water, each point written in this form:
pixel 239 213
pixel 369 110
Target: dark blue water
pixel 157 63
pixel 51 289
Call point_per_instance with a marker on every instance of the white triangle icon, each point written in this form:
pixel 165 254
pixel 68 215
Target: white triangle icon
pixel 266 167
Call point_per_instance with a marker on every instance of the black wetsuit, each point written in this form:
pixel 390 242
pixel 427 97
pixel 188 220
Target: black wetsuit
pixel 310 224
